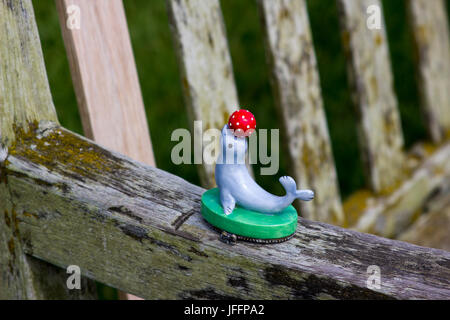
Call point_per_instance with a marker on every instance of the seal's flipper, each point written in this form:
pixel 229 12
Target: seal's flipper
pixel 227 201
pixel 291 189
pixel 288 184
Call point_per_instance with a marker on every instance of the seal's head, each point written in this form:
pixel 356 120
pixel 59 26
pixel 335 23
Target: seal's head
pixel 233 148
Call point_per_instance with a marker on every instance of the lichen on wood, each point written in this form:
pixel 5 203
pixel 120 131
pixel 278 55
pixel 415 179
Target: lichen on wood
pixel 295 80
pixel 24 91
pixel 23 276
pixel 139 229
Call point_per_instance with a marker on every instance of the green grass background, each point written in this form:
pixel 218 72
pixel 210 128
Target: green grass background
pixel 161 89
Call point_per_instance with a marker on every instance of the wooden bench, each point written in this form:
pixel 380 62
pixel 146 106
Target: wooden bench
pixel 67 200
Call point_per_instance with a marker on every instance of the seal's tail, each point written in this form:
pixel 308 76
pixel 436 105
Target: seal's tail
pixel 291 189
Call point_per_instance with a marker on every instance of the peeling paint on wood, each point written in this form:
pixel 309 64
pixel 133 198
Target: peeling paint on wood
pixel 429 24
pixel 370 76
pixel 205 63
pixel 145 249
pixel 296 84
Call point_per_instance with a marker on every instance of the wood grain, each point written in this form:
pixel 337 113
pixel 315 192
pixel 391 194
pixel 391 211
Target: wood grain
pixel 24 99
pixel 205 64
pixel 296 84
pixel 370 75
pixel 105 78
pixel 119 220
pixel 429 24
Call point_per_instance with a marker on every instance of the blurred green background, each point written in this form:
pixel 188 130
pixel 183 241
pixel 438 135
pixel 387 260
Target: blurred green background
pixel 161 89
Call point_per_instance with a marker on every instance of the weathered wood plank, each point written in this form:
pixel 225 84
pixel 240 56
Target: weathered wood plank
pixel 24 98
pixel 389 215
pixel 295 80
pixel 105 77
pixel 24 91
pixel 429 24
pixel 370 76
pixel 139 229
pixel 205 64
pixel 23 276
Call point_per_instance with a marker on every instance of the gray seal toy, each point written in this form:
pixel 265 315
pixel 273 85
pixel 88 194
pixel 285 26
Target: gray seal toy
pixel 237 186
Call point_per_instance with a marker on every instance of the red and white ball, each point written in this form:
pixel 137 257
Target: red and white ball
pixel 243 123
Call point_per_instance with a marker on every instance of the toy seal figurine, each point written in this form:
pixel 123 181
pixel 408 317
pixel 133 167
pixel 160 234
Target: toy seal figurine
pixel 239 206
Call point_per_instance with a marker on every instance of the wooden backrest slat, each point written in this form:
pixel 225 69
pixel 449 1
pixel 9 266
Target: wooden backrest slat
pixel 24 91
pixel 206 69
pixel 105 77
pixel 429 24
pixel 371 79
pixel 296 83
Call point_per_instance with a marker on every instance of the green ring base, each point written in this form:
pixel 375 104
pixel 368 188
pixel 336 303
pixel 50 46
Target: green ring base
pixel 247 223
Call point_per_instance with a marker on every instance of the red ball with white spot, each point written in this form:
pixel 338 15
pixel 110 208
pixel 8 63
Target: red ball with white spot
pixel 242 122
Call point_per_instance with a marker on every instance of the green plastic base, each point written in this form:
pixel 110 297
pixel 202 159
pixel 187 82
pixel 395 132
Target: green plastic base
pixel 248 223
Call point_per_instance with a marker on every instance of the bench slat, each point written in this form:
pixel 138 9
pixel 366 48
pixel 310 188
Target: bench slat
pixel 296 83
pixel 206 70
pixel 371 79
pixel 25 99
pixel 429 23
pixel 25 95
pixel 139 229
pixel 105 78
